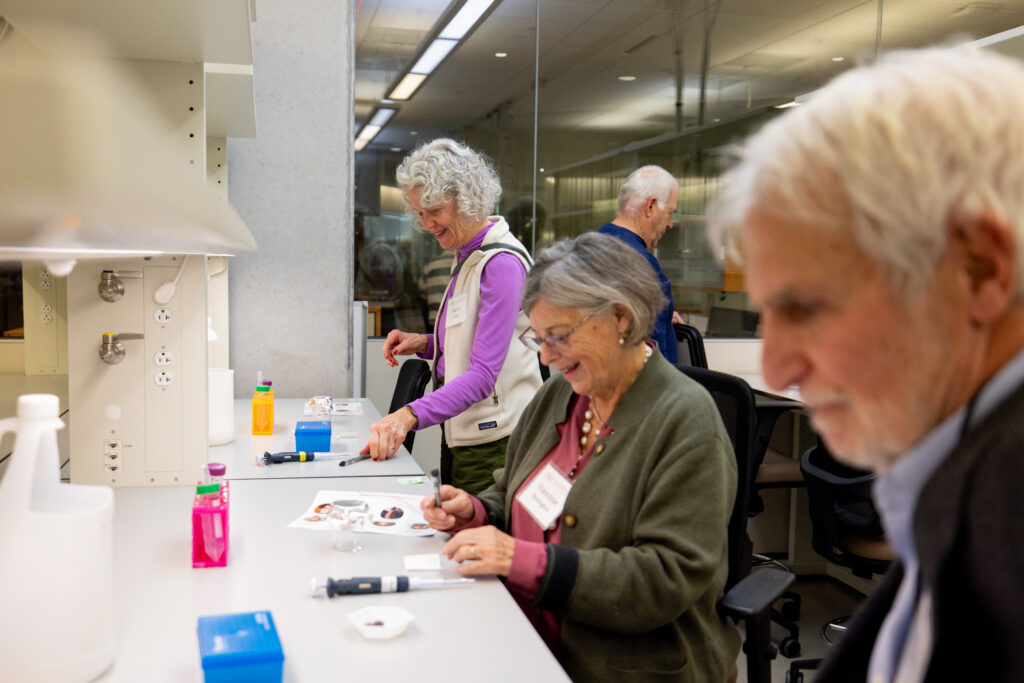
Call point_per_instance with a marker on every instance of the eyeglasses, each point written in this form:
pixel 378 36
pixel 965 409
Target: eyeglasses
pixel 553 340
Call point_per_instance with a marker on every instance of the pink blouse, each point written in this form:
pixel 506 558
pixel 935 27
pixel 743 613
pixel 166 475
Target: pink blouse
pixel 530 558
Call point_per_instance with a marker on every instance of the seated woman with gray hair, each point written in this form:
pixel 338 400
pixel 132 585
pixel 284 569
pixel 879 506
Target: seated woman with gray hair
pixel 609 519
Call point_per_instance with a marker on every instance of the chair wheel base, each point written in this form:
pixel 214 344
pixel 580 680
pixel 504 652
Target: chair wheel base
pixel 789 647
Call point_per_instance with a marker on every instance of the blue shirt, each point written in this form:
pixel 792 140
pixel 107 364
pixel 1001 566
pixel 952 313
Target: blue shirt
pixel 664 334
pixel 896 494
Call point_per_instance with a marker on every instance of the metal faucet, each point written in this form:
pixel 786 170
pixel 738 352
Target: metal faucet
pixel 111 349
pixel 111 288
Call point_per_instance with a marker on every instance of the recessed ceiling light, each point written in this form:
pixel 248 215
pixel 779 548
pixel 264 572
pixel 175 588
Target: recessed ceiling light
pixel 413 132
pixel 838 59
pixel 541 169
pixel 396 149
pixel 627 78
pixel 501 55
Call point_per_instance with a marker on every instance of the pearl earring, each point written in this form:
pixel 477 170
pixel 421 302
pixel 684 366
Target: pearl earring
pixel 622 339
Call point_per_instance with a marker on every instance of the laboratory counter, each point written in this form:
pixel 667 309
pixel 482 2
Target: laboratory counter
pixel 349 433
pixel 159 596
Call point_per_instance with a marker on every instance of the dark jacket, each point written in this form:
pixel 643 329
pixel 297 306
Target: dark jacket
pixel 969 532
pixel 642 558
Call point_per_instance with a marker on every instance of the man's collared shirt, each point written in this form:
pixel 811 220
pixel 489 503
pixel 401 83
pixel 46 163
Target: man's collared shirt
pixel 664 333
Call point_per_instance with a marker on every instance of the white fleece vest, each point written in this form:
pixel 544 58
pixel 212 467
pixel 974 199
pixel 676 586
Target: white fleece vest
pixel 495 416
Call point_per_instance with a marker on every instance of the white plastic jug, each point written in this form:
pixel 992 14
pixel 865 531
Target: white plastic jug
pixel 56 559
pixel 221 402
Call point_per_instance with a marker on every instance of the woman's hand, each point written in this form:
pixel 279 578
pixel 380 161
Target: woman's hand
pixel 388 434
pixel 400 343
pixel 456 508
pixel 483 550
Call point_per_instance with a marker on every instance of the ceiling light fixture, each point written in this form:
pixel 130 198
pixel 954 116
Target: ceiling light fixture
pixel 407 86
pixel 627 78
pixel 787 105
pixel 433 56
pixel 501 55
pixel 382 116
pixel 365 135
pixel 370 130
pixel 838 59
pixel 456 24
pixel 465 19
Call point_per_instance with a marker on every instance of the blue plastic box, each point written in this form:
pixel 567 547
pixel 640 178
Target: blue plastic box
pixel 240 647
pixel 313 436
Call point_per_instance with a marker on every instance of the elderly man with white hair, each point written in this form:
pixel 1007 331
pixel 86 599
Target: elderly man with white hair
pixel 882 228
pixel 647 201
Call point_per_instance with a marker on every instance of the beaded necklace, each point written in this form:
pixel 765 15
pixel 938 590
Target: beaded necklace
pixel 587 426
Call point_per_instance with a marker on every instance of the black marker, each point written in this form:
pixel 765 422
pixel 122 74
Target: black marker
pixel 361 585
pixel 352 461
pixel 298 456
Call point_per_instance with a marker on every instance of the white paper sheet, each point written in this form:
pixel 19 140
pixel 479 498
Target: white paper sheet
pixel 396 514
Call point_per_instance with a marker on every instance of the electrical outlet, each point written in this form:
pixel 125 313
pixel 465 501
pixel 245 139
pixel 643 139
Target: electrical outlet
pixel 163 358
pixel 163 378
pixel 162 315
pixel 110 467
pixel 45 281
pixel 46 318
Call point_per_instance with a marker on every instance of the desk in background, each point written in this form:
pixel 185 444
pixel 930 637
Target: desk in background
pixel 348 433
pixel 158 596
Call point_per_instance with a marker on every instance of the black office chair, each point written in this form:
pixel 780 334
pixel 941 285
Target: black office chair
pixel 412 382
pixel 845 528
pixel 748 595
pixel 691 346
pixel 776 470
pixel 770 474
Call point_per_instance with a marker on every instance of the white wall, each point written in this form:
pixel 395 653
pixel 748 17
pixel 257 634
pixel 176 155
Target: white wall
pixel 292 184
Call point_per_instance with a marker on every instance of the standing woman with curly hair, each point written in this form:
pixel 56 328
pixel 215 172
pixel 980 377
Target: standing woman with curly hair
pixel 483 380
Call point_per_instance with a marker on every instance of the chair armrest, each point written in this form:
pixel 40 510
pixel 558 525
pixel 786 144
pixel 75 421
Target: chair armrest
pixel 755 593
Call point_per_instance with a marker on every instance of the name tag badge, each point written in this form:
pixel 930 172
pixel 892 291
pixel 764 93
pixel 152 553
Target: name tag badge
pixel 544 498
pixel 456 314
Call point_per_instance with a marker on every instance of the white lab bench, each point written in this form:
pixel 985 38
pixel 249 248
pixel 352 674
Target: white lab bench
pixel 348 433
pixel 159 596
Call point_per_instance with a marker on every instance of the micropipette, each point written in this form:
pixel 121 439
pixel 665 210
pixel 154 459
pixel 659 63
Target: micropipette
pixel 360 585
pixel 299 456
pixel 435 476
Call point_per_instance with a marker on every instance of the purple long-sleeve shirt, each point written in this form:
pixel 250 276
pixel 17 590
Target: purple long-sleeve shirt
pixel 501 293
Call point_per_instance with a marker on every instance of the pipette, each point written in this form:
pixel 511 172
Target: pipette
pixel 300 456
pixel 435 476
pixel 361 585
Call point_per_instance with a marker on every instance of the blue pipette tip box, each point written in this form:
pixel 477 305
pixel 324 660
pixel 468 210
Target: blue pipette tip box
pixel 313 436
pixel 240 647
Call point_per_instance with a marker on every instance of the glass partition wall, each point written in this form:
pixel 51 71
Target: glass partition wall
pixel 602 89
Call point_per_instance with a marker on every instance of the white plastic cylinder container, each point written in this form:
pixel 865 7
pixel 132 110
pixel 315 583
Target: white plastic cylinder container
pixel 56 572
pixel 221 398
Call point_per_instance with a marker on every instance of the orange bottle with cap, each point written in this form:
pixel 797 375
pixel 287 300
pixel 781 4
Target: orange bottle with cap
pixel 263 410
